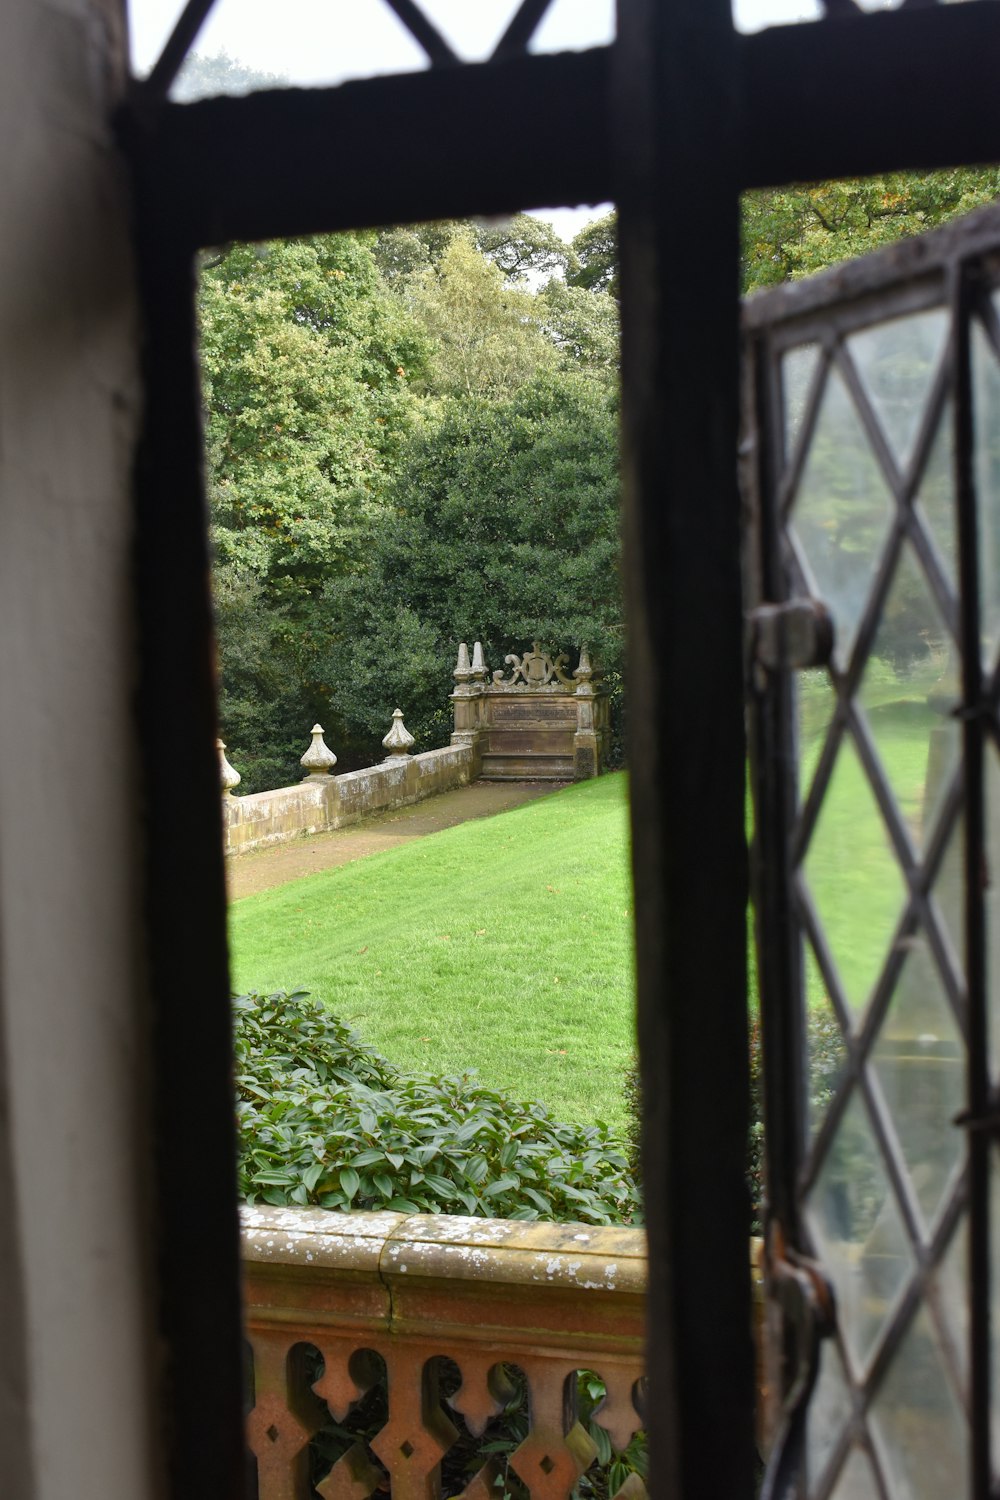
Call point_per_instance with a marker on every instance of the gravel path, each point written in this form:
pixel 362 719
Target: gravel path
pixel 263 868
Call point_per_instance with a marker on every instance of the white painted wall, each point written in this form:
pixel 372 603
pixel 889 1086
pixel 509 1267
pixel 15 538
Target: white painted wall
pixel 75 1399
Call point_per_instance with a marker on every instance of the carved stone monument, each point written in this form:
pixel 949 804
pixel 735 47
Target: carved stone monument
pixel 535 723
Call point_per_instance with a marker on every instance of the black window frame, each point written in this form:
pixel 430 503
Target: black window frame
pixel 672 122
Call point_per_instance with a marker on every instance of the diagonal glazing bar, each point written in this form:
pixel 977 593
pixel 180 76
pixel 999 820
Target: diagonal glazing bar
pixel 423 31
pixel 190 21
pixel 523 25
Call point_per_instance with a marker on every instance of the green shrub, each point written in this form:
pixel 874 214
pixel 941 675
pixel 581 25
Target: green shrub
pixel 324 1120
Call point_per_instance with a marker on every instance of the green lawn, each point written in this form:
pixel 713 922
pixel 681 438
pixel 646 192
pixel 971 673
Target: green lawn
pixel 503 945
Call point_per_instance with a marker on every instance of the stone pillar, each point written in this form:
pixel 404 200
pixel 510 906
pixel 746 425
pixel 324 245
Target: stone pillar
pixel 590 743
pixel 467 699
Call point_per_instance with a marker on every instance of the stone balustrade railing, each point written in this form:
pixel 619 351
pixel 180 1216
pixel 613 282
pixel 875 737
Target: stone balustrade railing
pixel 329 1297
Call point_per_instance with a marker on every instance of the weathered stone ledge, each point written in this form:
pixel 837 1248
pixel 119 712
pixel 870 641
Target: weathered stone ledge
pixel 322 803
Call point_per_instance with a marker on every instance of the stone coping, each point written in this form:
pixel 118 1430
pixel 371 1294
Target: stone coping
pixel 446 1247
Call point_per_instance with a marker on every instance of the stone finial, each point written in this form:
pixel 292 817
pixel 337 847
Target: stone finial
pixel 399 739
pixel 584 671
pixel 478 663
pixel 229 777
pixel 319 760
pixel 462 671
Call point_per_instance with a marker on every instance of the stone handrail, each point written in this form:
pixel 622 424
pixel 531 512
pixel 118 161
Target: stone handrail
pixel 549 1299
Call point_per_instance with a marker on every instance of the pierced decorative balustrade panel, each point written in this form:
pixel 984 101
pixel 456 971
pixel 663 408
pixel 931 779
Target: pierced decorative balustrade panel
pixel 874 482
pixel 435 1356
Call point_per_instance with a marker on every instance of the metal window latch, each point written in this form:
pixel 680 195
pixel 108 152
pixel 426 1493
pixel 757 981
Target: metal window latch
pixel 806 1300
pixel 787 637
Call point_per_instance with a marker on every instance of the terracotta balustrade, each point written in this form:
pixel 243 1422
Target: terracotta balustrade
pixel 326 1292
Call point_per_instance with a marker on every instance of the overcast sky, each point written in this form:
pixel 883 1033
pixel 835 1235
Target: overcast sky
pixel 326 41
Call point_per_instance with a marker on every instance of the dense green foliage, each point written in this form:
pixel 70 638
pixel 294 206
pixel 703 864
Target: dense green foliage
pixel 324 1120
pixel 400 429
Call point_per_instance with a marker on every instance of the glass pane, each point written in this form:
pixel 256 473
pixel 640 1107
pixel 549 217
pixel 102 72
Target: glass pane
pixel 827 1052
pixel 897 362
pixel 919 1427
pixel 986 425
pixel 474 30
pixel 949 893
pixel 304 42
pixel 855 880
pixel 935 502
pixel 815 700
pixel 798 367
pixel 857 1481
pixel 841 513
pixel 908 691
pixel 991 779
pixel 569 26
pixel 950 1290
pixel 828 1412
pixel 860 1237
pixel 920 1062
pixel 755 15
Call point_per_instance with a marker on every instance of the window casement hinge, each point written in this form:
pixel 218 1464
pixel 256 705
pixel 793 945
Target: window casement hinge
pixel 791 636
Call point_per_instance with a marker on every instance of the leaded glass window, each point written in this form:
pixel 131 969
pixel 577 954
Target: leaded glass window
pixel 875 431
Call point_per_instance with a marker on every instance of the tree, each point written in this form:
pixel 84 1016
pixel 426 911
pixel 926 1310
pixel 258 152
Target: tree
pixel 485 335
pixel 791 232
pixel 504 528
pixel 523 246
pixel 307 368
pixel 596 251
pixel 200 77
pixel 583 325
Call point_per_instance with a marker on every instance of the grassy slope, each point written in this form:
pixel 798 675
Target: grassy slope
pixel 502 944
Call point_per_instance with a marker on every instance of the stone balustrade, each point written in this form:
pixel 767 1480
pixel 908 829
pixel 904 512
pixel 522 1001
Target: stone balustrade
pixel 333 1299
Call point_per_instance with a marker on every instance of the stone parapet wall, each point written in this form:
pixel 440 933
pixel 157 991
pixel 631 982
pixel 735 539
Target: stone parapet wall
pixel 549 1300
pixel 322 803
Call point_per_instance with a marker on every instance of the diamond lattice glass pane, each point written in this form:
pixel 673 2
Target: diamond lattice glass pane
pixel 828 1412
pixel 909 690
pixel 857 1481
pixel 472 30
pixel 918 1425
pixel 860 1237
pixel 897 362
pixel 569 26
pixel 986 427
pixel 815 701
pixel 299 43
pixel 841 512
pixel 855 880
pixel 935 501
pixel 991 779
pixel 919 1058
pixel 798 369
pixel 825 1047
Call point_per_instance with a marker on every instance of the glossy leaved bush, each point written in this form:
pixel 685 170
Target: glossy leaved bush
pixel 324 1120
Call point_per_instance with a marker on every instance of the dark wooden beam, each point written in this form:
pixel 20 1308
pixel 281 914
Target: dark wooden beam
pixel 193 1183
pixel 869 94
pixel 676 95
pixel 487 138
